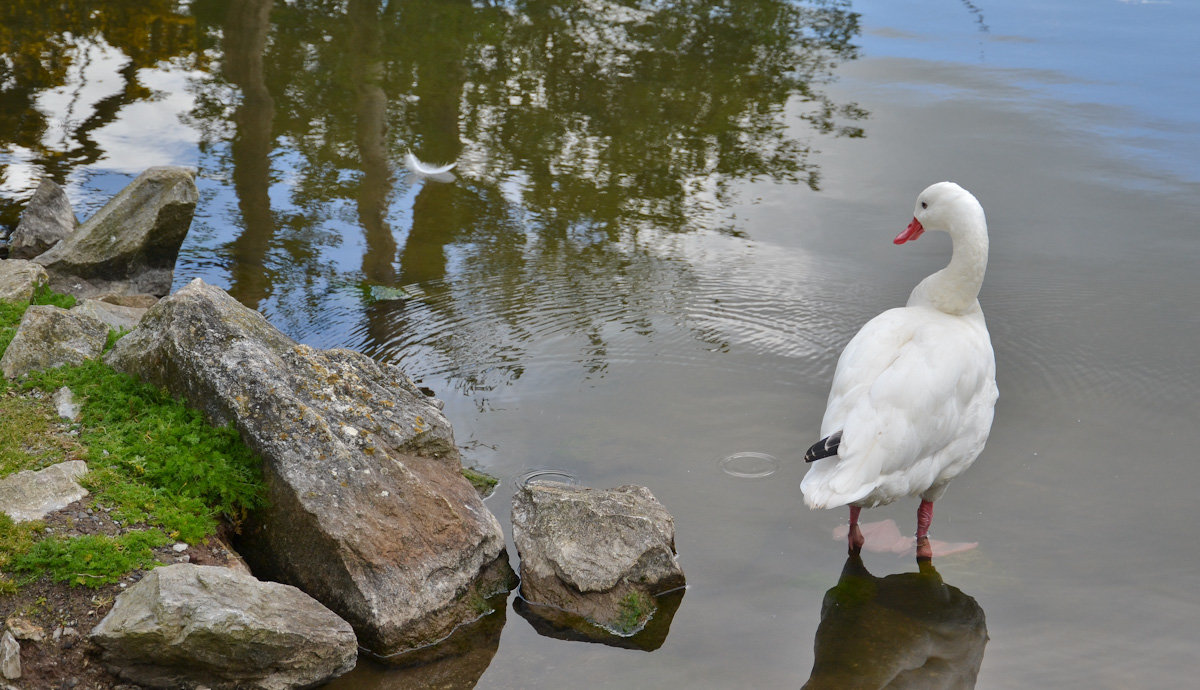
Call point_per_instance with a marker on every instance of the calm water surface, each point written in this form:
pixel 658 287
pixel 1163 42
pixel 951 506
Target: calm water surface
pixel 666 220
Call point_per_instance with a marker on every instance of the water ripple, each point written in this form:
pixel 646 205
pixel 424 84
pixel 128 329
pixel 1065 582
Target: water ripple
pixel 750 465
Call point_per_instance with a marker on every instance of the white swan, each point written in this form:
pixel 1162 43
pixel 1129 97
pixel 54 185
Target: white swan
pixel 914 391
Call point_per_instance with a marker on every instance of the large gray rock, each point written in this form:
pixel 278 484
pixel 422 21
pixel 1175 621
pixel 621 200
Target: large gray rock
pixel 47 218
pixel 369 510
pixel 603 554
pixel 30 495
pixel 49 337
pixel 19 279
pixel 131 244
pixel 189 625
pixel 115 315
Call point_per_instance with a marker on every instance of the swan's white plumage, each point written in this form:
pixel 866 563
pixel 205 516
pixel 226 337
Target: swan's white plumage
pixel 914 390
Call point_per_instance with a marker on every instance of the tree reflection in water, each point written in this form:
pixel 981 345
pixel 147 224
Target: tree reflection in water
pixel 586 131
pixel 908 630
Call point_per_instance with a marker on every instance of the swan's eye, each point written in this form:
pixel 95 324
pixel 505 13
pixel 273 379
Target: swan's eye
pixel 924 205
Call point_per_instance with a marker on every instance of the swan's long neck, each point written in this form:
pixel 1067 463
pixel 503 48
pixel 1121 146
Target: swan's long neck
pixel 955 288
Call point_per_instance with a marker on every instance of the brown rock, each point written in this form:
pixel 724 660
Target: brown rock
pixel 370 513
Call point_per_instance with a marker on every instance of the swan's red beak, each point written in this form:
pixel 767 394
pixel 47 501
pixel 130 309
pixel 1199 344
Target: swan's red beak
pixel 912 232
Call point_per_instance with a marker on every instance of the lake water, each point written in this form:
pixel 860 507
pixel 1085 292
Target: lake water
pixel 666 221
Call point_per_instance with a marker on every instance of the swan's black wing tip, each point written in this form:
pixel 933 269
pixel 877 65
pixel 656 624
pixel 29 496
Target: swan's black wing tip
pixel 824 448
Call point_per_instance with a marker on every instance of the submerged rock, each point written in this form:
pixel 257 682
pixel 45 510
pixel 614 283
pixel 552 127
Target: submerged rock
pixel 131 244
pixel 47 218
pixel 19 279
pixel 369 510
pixel 30 495
pixel 551 621
pixel 187 625
pixel 602 554
pixel 50 337
pixel 458 661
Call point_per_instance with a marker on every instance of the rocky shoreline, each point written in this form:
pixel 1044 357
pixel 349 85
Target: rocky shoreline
pixel 370 539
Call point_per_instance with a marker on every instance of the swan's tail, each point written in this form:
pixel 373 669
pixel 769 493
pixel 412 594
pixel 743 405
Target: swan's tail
pixel 833 484
pixel 824 448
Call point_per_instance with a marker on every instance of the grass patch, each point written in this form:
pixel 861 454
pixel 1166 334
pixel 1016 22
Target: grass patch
pixel 113 337
pixel 155 463
pixel 152 458
pixel 15 540
pixel 93 560
pixel 25 439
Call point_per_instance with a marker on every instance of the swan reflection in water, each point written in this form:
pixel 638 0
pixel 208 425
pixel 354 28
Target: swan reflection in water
pixel 909 630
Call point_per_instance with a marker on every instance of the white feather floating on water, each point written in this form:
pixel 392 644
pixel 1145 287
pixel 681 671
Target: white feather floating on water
pixel 440 173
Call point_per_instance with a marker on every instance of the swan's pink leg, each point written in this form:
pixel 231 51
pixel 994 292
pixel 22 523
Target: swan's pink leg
pixel 924 519
pixel 855 536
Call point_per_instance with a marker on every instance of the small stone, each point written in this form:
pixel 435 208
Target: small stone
pixel 64 403
pixel 179 547
pixel 29 495
pixel 25 630
pixel 19 279
pixel 10 656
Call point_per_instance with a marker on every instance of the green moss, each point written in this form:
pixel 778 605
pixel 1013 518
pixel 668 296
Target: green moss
pixel 483 483
pixel 480 605
pixel 635 609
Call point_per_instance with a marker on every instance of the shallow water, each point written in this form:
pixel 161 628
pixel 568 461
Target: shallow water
pixel 662 230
